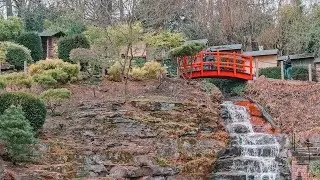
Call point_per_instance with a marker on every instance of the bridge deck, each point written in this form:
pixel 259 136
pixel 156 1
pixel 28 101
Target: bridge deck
pixel 216 65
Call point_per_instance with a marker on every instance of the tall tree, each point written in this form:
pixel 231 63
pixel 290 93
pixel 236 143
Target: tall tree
pixel 9 8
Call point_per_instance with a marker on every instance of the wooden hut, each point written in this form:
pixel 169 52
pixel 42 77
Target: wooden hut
pixel 49 42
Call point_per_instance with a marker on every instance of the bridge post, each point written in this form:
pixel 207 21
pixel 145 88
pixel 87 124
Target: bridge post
pixel 282 71
pixel 218 62
pixel 201 62
pixel 310 72
pixel 251 67
pixel 257 68
pixel 234 63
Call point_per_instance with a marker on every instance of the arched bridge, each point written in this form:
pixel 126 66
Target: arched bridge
pixel 216 65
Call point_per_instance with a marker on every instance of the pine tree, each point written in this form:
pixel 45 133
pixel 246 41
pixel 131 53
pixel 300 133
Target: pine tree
pixel 17 134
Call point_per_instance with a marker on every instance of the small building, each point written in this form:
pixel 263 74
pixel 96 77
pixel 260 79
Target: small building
pixel 49 42
pixel 227 48
pixel 264 58
pixel 299 59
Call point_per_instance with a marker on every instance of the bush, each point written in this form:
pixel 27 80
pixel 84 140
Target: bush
pixel 139 62
pixel 229 87
pixel 10 28
pixel 66 44
pixel 82 55
pixel 34 108
pixel 17 54
pixel 138 74
pixel 19 80
pixel 153 69
pixel 61 71
pixel 298 73
pixel 116 72
pixel 54 97
pixel 17 134
pixel 315 168
pixel 271 72
pixel 33 42
pixel 45 80
pixel 86 57
pixel 187 50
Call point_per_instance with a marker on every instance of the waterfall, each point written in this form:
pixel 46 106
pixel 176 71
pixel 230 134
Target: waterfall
pixel 250 156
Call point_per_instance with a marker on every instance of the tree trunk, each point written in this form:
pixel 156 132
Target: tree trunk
pixel 9 8
pixel 105 12
pixel 121 9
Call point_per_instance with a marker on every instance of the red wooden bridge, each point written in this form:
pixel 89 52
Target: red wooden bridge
pixel 216 65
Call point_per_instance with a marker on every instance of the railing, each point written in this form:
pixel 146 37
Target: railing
pixel 216 64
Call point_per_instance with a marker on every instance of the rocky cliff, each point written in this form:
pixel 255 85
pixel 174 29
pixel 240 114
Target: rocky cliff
pixel 170 132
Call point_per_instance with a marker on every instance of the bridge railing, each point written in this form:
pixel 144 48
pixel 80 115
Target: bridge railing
pixel 221 62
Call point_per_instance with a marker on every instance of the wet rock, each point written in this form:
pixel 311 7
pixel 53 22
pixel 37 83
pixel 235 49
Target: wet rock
pixel 241 129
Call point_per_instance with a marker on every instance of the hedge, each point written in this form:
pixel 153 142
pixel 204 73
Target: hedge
pixel 66 44
pixel 298 73
pixel 33 42
pixel 34 108
pixel 16 55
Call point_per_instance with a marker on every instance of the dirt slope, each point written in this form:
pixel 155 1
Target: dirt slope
pixel 295 105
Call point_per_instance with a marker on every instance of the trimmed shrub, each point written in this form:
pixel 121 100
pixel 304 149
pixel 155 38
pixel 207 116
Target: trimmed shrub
pixel 138 74
pixel 66 44
pixel 34 108
pixel 33 42
pixel 271 72
pixel 187 50
pixel 17 134
pixel 153 69
pixel 54 97
pixel 16 55
pixel 115 72
pixel 298 73
pixel 60 71
pixel 19 80
pixel 45 80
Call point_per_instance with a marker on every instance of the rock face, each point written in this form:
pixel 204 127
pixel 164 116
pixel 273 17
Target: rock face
pixel 140 139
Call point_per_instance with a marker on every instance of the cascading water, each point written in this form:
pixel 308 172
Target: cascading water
pixel 250 156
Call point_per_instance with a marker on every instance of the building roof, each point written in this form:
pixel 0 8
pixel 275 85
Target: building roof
pixel 262 53
pixel 225 47
pixel 49 33
pixel 297 57
pixel 201 41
